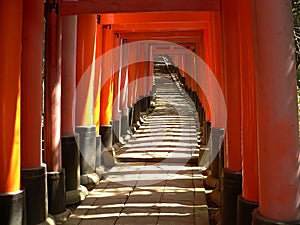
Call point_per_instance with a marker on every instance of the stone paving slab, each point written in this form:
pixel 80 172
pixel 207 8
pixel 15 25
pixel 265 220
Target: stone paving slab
pixel 155 181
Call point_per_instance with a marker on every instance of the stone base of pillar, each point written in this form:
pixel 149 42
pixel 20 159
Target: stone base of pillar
pixel 98 151
pixel 244 211
pixel 34 183
pixel 258 219
pixel 182 80
pixel 12 208
pixel 136 111
pixel 108 155
pixel 109 159
pixel 62 217
pixel 194 97
pixel 206 132
pixel 87 143
pixel 201 115
pixel 70 161
pixel 215 167
pixel 124 125
pixel 106 135
pixel 129 113
pixel 76 196
pixel 90 180
pixel 231 189
pixel 115 131
pixel 56 192
pixel 143 104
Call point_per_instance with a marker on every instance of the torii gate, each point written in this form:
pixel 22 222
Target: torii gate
pixel 261 146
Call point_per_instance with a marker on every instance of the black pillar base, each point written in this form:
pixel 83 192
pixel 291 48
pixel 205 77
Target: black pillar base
pixel 34 182
pixel 12 208
pixel 206 132
pixel 136 111
pixel 106 135
pixel 194 97
pixel 129 113
pixel 87 146
pixel 244 211
pixel 70 161
pixel 56 192
pixel 143 104
pixel 231 189
pixel 98 150
pixel 115 131
pixel 258 219
pixel 124 125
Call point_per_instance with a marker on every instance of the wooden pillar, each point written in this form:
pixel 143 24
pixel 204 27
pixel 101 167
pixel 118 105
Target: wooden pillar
pixel 107 88
pixel 85 76
pixel 278 140
pixel 33 173
pixel 232 177
pixel 124 88
pixel 11 197
pixel 69 139
pixel 97 80
pixel 249 198
pixel 116 88
pixel 52 121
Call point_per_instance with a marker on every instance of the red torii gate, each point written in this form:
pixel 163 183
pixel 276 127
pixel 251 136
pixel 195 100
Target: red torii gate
pixel 258 59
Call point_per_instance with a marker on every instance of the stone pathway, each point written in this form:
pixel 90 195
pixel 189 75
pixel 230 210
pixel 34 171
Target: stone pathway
pixel 157 181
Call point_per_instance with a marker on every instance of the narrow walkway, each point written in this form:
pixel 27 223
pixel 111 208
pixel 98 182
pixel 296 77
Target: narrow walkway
pixel 157 180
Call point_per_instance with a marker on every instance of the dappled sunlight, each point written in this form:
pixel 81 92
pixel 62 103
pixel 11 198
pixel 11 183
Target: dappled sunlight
pixel 157 179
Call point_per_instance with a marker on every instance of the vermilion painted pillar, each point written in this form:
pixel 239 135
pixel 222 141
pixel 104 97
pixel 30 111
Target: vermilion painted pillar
pixel 131 83
pixel 70 140
pixel 249 198
pixel 124 89
pixel 52 118
pixel 116 89
pixel 138 84
pixel 232 177
pixel 107 87
pixel 33 173
pixel 11 197
pixel 85 75
pixel 97 89
pixel 278 140
pixel 97 82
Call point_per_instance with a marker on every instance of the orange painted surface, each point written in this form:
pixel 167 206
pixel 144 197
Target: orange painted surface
pixel 126 27
pixel 116 76
pixel 126 6
pixel 52 122
pixel 278 142
pixel 131 78
pixel 68 79
pixel 232 150
pixel 169 35
pixel 216 45
pixel 248 104
pixel 10 64
pixel 85 69
pixel 154 17
pixel 107 78
pixel 124 80
pixel 97 80
pixel 207 48
pixel 31 82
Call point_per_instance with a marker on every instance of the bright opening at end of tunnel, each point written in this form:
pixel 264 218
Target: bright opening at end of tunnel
pixel 198 71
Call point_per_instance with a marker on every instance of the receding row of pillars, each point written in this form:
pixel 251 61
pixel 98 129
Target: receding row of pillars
pixel 260 183
pixel 85 112
pixel 260 180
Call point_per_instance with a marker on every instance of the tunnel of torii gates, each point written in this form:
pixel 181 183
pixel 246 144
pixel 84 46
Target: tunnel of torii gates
pixel 248 46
